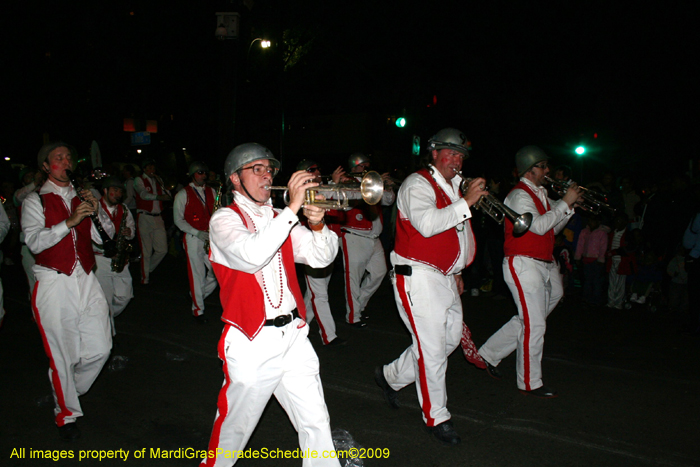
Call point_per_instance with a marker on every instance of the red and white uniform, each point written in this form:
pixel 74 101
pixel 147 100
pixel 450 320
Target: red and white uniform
pixel 253 250
pixel 68 303
pixel 317 280
pixel 4 229
pixel 433 237
pixel 363 252
pixel 533 278
pixel 117 286
pixel 192 210
pixel 152 236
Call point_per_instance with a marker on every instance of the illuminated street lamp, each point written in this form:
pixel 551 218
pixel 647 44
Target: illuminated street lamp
pixel 580 150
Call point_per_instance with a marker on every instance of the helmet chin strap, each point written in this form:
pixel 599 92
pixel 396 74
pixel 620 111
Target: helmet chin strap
pixel 247 192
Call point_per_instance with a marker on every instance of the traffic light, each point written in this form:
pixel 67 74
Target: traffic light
pixel 401 122
pixel 580 150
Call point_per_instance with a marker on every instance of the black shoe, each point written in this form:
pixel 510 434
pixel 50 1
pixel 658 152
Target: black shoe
pixel 445 433
pixel 391 396
pixel 359 324
pixel 336 342
pixel 201 319
pixel 543 392
pixel 492 371
pixel 69 431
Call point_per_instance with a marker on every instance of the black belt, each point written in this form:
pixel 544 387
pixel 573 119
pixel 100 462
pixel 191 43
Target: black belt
pixel 151 213
pixel 282 320
pixel 403 269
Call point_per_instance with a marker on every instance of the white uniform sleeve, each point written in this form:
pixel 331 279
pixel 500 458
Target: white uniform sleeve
pixel 37 237
pixel 129 196
pixel 416 201
pixel 130 223
pixel 4 223
pixel 179 213
pixel 141 190
pixel 556 218
pixel 22 193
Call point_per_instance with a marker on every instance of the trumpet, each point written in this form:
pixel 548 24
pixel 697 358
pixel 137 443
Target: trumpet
pixel 371 189
pixel 592 202
pixel 489 204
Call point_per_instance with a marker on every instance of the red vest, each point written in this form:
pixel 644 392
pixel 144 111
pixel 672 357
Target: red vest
pixel 146 205
pixel 360 218
pixel 195 213
pixel 116 219
pixel 440 251
pixel 529 244
pixel 242 296
pixel 64 255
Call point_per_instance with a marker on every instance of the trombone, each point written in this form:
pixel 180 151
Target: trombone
pixel 489 204
pixel 370 188
pixel 592 202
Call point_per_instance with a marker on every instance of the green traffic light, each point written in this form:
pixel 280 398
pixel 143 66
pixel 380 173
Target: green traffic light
pixel 580 150
pixel 400 122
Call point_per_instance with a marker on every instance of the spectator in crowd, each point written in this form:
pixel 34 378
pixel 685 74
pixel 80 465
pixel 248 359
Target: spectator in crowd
pixel 620 262
pixel 590 250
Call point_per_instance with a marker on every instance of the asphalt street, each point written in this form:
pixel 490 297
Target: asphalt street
pixel 628 383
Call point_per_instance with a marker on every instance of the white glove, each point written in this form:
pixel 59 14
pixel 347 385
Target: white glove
pixel 203 236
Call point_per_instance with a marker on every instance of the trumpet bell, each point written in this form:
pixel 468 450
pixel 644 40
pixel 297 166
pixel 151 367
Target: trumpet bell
pixel 522 223
pixel 372 188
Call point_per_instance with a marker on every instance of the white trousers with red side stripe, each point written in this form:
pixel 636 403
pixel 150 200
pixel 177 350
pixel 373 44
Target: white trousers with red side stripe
pixel 73 319
pixel 431 309
pixel 316 300
pixel 199 272
pixel 279 362
pixel 365 268
pixel 154 243
pixel 537 288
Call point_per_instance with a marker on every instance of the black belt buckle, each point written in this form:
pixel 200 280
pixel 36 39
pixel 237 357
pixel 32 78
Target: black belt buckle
pixel 282 320
pixel 403 269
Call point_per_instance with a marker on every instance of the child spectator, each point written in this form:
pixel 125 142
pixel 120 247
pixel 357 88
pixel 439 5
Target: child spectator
pixel 620 262
pixel 591 248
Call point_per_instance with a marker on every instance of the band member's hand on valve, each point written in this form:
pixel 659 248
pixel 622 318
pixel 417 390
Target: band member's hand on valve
pixel 573 195
pixel 297 186
pixel 475 191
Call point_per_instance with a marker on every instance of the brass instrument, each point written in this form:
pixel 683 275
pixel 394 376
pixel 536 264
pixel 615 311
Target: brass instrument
pixel 371 188
pixel 489 204
pixel 108 244
pixel 592 202
pixel 120 259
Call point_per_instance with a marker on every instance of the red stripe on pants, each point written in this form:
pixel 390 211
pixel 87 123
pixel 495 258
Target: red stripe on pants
pixel 348 289
pixel 422 380
pixel 324 336
pixel 197 308
pixel 222 403
pixel 526 325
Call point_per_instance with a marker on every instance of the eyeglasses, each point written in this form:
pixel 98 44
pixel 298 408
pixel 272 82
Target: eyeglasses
pixel 313 169
pixel 260 170
pixel 541 166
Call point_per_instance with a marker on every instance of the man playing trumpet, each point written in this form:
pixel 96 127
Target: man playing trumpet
pixel 434 243
pixel 531 273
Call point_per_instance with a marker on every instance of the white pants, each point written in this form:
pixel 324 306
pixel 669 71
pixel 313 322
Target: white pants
pixel 28 264
pixel 277 361
pixel 116 286
pixel 365 268
pixel 316 300
pixel 431 309
pixel 199 272
pixel 73 319
pixel 537 288
pixel 154 244
pixel 616 285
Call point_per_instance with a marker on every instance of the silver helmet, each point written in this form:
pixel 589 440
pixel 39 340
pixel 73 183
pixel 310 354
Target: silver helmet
pixel 246 153
pixel 527 157
pixel 196 167
pixel 449 138
pixel 47 149
pixel 306 164
pixel 113 181
pixel 356 159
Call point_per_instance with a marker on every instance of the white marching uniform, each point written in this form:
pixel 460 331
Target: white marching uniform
pixel 316 300
pixel 4 229
pixel 200 273
pixel 27 256
pixel 536 286
pixel 363 260
pixel 70 310
pixel 428 300
pixel 117 286
pixel 152 236
pixel 277 361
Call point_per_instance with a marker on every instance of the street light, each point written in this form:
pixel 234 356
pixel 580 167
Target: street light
pixel 265 44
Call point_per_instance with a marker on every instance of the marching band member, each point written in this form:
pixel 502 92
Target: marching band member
pixel 4 229
pixel 531 273
pixel 68 303
pixel 192 210
pixel 264 346
pixel 363 254
pixel 150 194
pixel 116 285
pixel 434 243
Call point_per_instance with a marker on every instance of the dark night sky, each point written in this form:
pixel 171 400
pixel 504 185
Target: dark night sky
pixel 508 75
